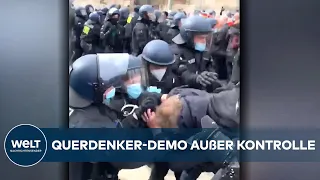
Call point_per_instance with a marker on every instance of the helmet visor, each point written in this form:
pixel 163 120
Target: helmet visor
pixel 152 16
pixel 120 69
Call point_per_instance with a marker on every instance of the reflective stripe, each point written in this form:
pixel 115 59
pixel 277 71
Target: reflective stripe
pixel 129 19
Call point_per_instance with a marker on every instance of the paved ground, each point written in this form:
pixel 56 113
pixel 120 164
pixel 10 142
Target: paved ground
pixel 144 172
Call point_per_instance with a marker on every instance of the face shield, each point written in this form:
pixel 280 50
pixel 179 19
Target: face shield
pixel 120 71
pixel 202 42
pixel 162 18
pixel 115 16
pixel 151 16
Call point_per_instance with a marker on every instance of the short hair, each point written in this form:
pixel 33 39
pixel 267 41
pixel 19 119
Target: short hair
pixel 168 112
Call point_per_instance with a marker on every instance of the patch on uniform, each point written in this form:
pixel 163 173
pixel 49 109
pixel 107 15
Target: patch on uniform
pixel 129 19
pixel 191 61
pixel 206 59
pixel 70 111
pixel 86 30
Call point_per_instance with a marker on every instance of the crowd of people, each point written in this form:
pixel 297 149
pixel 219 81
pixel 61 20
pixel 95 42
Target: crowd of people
pixel 155 70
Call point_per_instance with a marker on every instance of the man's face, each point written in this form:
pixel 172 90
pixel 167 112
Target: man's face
pixel 200 38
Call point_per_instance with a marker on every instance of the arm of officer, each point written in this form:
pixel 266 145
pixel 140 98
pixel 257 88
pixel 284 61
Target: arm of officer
pixel 134 46
pixel 96 31
pixel 142 36
pixel 187 77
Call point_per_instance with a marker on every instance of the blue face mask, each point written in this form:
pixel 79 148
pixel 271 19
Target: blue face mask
pixel 109 96
pixel 200 46
pixel 134 90
pixel 154 89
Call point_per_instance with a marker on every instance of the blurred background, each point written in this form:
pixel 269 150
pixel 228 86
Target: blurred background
pixel 186 5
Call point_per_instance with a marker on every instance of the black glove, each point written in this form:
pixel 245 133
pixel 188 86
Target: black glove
pixel 206 78
pixel 148 100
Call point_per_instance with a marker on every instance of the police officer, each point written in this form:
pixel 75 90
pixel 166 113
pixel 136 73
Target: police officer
pixel 131 22
pixel 93 80
pixel 155 29
pixel 90 37
pixel 142 33
pixel 112 33
pixel 193 64
pixel 104 13
pixel 176 23
pixel 124 14
pixel 80 19
pixel 164 26
pixel 158 58
pixel 89 9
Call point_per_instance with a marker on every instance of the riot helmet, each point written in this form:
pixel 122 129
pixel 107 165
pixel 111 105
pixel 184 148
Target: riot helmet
pixel 89 9
pixel 195 32
pixel 105 10
pixel 94 78
pixel 212 22
pixel 147 12
pixel 136 8
pixel 156 56
pixel 95 17
pixel 177 19
pixel 113 15
pixel 124 13
pixel 171 14
pixel 81 12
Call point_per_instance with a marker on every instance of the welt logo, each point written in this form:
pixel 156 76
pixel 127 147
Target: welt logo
pixel 25 146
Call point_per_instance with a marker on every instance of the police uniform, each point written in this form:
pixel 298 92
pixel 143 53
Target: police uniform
pixel 80 19
pixel 191 63
pixel 124 14
pixel 89 78
pixel 90 37
pixel 131 22
pixel 174 28
pixel 159 54
pixel 142 32
pixel 112 33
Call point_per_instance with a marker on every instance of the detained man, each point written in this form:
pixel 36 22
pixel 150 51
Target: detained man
pixel 186 108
